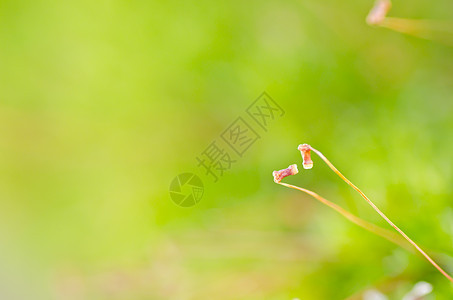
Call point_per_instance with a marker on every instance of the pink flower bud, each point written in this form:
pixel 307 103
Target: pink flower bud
pixel 305 152
pixel 279 175
pixel 378 12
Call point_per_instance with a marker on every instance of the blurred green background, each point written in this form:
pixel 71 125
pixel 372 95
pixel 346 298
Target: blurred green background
pixel 103 103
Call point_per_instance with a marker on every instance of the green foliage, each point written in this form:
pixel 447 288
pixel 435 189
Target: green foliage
pixel 103 103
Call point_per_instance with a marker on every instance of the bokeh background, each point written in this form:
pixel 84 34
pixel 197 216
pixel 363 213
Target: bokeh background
pixel 103 103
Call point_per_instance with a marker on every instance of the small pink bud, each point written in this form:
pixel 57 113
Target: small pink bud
pixel 279 175
pixel 305 152
pixel 378 12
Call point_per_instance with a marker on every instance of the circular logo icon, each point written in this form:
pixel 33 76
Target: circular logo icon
pixel 186 189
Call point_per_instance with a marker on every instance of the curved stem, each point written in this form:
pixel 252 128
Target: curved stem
pixel 441 31
pixel 382 214
pixel 353 218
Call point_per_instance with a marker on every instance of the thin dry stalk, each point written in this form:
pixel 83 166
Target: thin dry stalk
pixel 441 31
pixel 392 237
pixel 331 166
